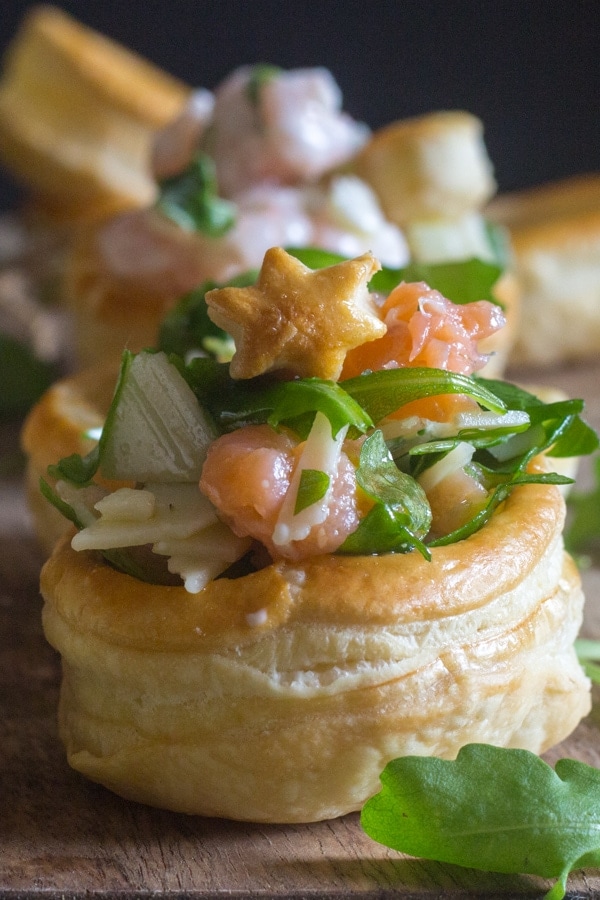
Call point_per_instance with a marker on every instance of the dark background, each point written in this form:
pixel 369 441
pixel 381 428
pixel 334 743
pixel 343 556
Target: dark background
pixel 530 70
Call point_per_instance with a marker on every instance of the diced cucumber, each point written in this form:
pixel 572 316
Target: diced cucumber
pixel 155 429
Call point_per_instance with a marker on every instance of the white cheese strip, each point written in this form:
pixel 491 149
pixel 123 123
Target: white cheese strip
pixel 513 418
pixel 456 459
pixel 415 427
pixel 322 453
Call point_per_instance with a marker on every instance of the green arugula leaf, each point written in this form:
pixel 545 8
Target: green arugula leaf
pixel 291 400
pixel 493 809
pixel 235 403
pixel 567 432
pixel 582 534
pixel 191 200
pixel 77 469
pixel 187 327
pixel 495 498
pixel 401 515
pixel 65 509
pixel 383 392
pixel 588 654
pixel 462 282
pixel 313 486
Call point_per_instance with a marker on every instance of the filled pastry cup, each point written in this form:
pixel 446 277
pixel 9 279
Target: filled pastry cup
pixel 555 234
pixel 279 696
pixel 294 567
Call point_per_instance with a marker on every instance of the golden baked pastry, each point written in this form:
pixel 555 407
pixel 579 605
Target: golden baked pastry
pixel 280 696
pixel 555 233
pixel 78 115
pixel 433 166
pixel 122 278
pixel 297 319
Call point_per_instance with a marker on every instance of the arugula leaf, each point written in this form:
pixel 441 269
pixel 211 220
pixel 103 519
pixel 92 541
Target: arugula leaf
pixel 588 654
pixel 313 486
pixel 401 515
pixel 235 403
pixel 464 281
pixel 77 469
pixel 460 281
pixel 493 809
pixel 65 509
pixel 383 392
pixel 568 433
pixel 191 200
pixel 495 498
pixel 292 399
pixel 187 327
pixel 583 529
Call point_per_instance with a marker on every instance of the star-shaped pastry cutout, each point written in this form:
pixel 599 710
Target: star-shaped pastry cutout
pixel 298 319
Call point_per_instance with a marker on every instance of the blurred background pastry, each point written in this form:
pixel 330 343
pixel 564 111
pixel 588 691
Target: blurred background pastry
pixel 78 114
pixel 555 234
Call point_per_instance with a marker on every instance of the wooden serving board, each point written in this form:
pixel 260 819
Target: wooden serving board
pixel 61 836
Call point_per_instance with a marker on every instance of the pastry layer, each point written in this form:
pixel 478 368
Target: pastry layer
pixel 280 696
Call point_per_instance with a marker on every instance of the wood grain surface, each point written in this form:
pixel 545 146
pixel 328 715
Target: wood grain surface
pixel 61 836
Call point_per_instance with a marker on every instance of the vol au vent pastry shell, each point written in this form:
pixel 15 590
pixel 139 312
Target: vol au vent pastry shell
pixel 429 166
pixel 281 695
pixel 555 234
pixel 78 116
pixel 122 278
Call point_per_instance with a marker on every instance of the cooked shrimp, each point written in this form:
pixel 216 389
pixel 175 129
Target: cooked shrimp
pixel 146 250
pixel 175 146
pixel 268 151
pixel 347 219
pixel 293 131
pixel 427 329
pixel 267 216
pixel 247 476
pixel 270 215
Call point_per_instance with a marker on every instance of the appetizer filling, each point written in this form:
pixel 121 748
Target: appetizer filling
pixel 350 419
